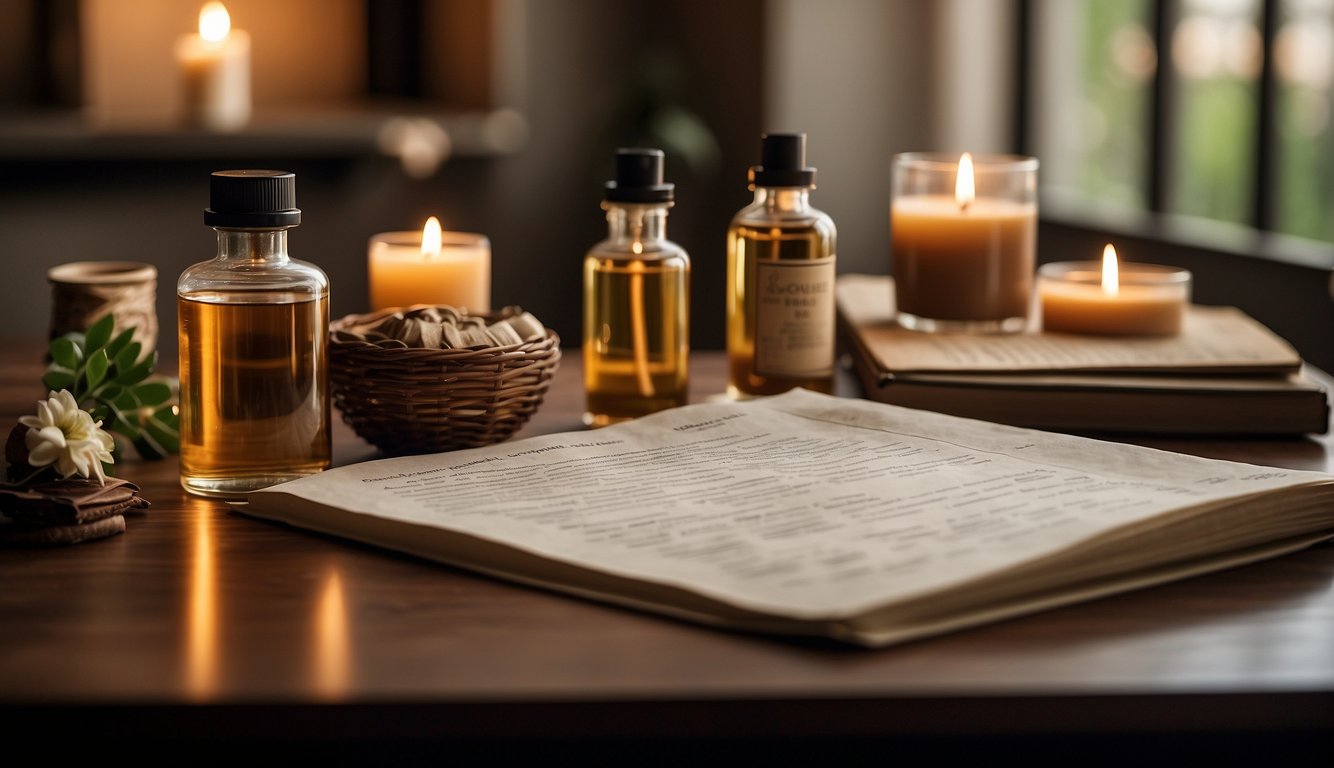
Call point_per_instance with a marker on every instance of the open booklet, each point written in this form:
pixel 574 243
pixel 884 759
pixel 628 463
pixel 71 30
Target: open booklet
pixel 806 514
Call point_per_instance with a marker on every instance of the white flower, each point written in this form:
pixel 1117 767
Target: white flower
pixel 64 434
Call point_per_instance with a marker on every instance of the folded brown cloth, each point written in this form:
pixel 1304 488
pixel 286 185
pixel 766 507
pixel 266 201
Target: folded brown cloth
pixel 66 511
pixel 60 535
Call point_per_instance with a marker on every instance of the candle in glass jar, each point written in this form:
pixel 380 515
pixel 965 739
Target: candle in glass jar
pixel 215 68
pixel 1112 299
pixel 964 261
pixel 430 267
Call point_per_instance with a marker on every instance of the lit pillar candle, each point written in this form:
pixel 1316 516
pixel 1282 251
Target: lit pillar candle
pixel 430 267
pixel 964 241
pixel 215 68
pixel 1113 299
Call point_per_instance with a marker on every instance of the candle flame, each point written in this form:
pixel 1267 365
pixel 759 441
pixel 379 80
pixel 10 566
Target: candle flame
pixel 1111 276
pixel 431 237
pixel 214 22
pixel 964 189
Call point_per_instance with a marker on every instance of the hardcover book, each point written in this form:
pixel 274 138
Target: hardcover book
pixel 1225 374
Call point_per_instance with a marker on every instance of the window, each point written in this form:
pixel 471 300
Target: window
pixel 1217 109
pixel 1304 69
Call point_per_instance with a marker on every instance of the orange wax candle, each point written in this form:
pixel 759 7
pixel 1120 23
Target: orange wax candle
pixel 430 267
pixel 964 243
pixel 1113 300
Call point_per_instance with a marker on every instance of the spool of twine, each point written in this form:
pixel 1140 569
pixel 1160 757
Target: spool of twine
pixel 84 291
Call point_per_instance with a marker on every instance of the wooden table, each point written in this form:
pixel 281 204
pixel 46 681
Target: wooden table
pixel 200 632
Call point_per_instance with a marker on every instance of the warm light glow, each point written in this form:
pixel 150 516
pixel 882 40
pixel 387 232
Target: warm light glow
pixel 214 22
pixel 1111 276
pixel 637 247
pixel 332 645
pixel 964 189
pixel 201 635
pixel 431 238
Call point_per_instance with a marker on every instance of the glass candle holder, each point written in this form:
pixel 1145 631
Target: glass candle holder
pixel 1148 299
pixel 457 272
pixel 964 241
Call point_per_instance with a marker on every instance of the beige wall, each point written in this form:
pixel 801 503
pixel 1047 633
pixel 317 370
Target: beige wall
pixel 857 77
pixel 308 51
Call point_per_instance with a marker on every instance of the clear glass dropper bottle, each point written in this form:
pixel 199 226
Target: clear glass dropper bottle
pixel 253 332
pixel 636 299
pixel 780 279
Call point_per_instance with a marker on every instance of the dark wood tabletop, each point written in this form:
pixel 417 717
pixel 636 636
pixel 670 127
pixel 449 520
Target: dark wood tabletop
pixel 201 627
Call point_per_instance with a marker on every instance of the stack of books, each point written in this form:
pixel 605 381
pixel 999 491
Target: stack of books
pixel 1225 374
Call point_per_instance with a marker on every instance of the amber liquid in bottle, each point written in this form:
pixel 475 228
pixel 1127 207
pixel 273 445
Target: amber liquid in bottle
pixel 780 307
pixel 635 346
pixel 253 370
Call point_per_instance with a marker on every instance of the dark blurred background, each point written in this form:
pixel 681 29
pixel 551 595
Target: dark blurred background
pixel 500 117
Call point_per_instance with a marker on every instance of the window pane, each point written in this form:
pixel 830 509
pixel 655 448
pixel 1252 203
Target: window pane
pixel 1095 66
pixel 1304 68
pixel 1216 55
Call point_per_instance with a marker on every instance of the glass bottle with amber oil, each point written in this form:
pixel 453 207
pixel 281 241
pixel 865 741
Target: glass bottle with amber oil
pixel 636 299
pixel 780 279
pixel 253 328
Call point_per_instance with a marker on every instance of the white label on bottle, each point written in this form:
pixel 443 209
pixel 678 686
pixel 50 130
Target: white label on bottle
pixel 794 318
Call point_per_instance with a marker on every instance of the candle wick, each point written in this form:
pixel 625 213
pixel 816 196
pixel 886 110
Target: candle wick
pixel 963 205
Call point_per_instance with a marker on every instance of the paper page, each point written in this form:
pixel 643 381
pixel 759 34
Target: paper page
pixel 1214 339
pixel 803 505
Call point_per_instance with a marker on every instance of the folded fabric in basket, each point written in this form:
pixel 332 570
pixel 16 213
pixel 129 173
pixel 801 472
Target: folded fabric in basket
pixel 445 328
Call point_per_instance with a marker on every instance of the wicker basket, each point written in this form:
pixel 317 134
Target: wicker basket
pixel 406 400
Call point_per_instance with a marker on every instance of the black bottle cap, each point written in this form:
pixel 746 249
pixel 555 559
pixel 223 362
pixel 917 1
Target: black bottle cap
pixel 782 162
pixel 639 178
pixel 252 199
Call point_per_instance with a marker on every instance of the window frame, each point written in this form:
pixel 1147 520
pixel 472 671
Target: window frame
pixel 1284 281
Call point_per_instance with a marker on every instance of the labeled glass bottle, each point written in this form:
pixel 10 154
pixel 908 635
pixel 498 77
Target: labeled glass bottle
pixel 780 279
pixel 636 299
pixel 253 329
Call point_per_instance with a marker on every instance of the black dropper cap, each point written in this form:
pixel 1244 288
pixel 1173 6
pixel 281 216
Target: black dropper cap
pixel 782 162
pixel 639 178
pixel 252 199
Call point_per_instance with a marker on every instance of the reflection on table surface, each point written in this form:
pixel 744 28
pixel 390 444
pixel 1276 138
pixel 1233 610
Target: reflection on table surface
pixel 198 604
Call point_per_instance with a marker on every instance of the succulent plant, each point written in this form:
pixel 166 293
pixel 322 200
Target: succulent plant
pixel 109 380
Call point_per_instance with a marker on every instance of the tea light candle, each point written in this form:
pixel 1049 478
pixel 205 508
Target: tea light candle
pixel 430 267
pixel 1111 299
pixel 215 68
pixel 964 242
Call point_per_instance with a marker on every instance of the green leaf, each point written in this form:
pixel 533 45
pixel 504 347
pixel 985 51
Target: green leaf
pixel 95 368
pixel 165 435
pixel 126 401
pixel 139 372
pixel 151 393
pixel 164 426
pixel 110 392
pixel 125 359
pixel 169 416
pixel 107 414
pixel 98 336
pixel 58 378
pixel 124 427
pixel 66 353
pixel 118 343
